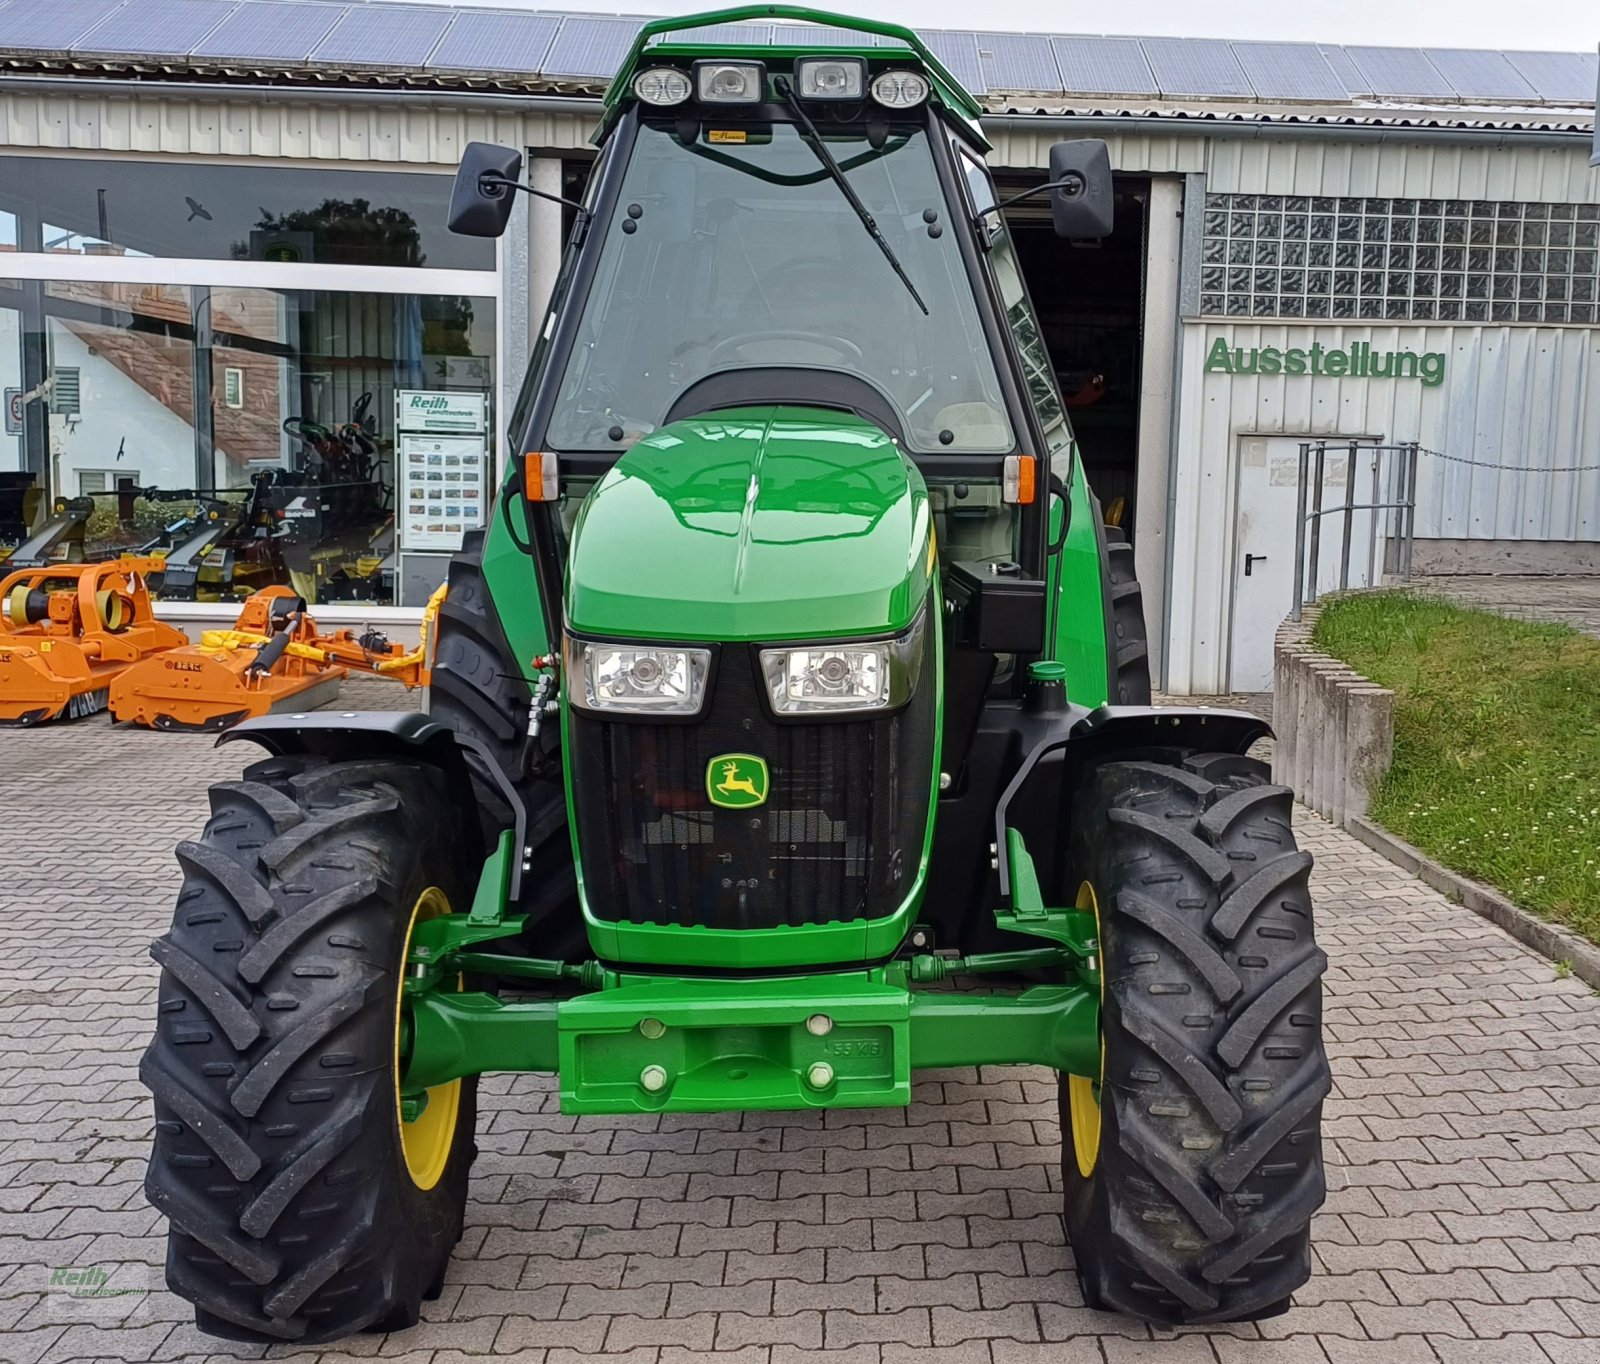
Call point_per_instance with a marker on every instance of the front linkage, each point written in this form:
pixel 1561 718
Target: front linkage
pixel 703 1044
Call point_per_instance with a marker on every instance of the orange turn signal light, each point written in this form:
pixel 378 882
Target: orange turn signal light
pixel 1017 483
pixel 541 477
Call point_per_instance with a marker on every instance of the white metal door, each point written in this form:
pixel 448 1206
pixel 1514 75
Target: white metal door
pixel 1263 544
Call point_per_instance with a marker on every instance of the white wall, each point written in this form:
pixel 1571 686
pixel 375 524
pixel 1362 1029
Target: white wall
pixel 157 444
pixel 1527 397
pixel 10 377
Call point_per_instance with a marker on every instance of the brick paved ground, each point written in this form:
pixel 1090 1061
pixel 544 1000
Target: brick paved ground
pixel 1463 1226
pixel 1573 601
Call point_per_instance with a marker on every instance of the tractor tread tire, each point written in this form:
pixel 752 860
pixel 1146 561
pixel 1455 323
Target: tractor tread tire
pixel 277 1157
pixel 476 685
pixel 1209 1168
pixel 478 689
pixel 1130 645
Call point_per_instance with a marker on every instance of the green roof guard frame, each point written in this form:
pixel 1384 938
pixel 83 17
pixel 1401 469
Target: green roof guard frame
pixel 949 88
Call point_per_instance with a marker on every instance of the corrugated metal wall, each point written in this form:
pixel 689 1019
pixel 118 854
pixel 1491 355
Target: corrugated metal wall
pixel 1421 169
pixel 1400 169
pixel 426 131
pixel 1526 397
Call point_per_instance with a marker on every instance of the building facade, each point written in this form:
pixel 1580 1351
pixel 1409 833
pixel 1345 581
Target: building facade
pixel 227 283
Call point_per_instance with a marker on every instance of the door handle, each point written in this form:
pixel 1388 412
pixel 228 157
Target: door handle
pixel 1250 559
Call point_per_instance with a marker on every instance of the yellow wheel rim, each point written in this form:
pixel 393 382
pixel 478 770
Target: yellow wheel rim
pixel 427 1139
pixel 1083 1094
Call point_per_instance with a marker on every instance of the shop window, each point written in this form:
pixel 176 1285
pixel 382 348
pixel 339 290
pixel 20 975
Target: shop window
pixel 11 390
pixel 339 440
pixel 211 212
pixel 1526 255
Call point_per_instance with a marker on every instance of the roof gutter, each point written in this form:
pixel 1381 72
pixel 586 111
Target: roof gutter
pixel 1178 125
pixel 500 101
pixel 506 101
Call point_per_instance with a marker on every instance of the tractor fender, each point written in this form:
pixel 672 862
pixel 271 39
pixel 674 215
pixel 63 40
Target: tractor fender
pixel 341 736
pixel 1081 737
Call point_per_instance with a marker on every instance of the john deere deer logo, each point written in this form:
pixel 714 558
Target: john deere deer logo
pixel 736 781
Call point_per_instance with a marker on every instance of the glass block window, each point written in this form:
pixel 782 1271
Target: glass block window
pixel 1399 260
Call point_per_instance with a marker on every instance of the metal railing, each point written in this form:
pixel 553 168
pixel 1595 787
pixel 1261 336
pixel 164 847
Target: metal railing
pixel 1394 490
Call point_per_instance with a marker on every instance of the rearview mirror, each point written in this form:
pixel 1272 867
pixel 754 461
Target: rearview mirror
pixel 1081 204
pixel 481 207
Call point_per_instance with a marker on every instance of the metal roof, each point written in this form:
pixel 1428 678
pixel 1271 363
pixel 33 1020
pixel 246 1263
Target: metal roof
pixel 472 46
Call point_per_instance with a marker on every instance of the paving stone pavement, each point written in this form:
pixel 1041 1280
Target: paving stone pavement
pixel 1573 601
pixel 1462 1224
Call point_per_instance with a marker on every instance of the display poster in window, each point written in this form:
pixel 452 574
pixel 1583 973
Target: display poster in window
pixel 438 411
pixel 443 489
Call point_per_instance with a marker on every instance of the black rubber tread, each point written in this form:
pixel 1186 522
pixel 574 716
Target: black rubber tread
pixel 277 1157
pixel 476 685
pixel 479 688
pixel 1129 643
pixel 1210 1163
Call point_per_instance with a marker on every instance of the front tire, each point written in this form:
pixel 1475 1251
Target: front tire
pixel 1192 1170
pixel 478 689
pixel 301 1207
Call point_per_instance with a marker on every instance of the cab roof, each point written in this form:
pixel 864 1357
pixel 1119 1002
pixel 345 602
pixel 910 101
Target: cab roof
pixel 697 38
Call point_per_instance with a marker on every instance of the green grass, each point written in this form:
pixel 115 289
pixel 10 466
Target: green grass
pixel 1497 744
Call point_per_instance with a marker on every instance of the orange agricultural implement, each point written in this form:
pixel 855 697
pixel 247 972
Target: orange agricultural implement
pixel 67 632
pixel 274 658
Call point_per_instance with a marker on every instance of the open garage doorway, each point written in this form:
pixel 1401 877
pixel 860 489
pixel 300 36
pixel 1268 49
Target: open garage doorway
pixel 1089 296
pixel 1108 311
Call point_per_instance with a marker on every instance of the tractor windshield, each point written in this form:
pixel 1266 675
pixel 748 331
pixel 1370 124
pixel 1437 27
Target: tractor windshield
pixel 737 249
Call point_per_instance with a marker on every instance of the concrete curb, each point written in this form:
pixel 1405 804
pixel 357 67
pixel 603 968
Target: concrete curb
pixel 1335 729
pixel 1547 939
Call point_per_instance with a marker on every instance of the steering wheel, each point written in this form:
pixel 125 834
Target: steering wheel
pixel 848 349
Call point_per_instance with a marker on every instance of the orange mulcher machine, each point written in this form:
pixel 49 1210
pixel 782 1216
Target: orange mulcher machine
pixel 69 631
pixel 274 658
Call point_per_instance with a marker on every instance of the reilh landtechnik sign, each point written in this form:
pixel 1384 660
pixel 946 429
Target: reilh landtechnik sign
pixel 1358 360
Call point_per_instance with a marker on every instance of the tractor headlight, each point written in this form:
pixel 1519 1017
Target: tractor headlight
pixel 831 77
pixel 730 82
pixel 636 679
pixel 899 89
pixel 662 86
pixel 845 677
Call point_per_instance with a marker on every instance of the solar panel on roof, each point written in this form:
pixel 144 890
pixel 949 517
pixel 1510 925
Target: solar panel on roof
pixel 959 53
pixel 384 35
pixel 1398 71
pixel 1104 66
pixel 50 28
pixel 484 41
pixel 1289 71
pixel 154 26
pixel 1560 77
pixel 270 30
pixel 818 35
pixel 748 34
pixel 1479 75
pixel 590 47
pixel 1345 69
pixel 1018 61
pixel 1195 66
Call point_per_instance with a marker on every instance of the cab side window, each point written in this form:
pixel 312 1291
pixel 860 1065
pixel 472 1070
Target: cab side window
pixel 1024 323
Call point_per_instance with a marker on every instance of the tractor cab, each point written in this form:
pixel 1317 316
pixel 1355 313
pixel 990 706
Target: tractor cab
pixel 804 221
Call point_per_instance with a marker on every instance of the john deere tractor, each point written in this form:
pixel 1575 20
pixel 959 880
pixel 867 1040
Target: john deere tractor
pixel 790 733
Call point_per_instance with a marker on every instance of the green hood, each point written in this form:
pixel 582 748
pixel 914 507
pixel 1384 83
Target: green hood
pixel 761 523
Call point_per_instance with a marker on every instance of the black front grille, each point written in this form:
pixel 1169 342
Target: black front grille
pixel 838 837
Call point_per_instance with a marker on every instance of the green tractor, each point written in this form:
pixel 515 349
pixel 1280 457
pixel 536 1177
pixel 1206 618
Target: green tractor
pixel 794 682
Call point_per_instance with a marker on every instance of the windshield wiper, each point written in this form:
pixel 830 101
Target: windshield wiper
pixel 813 139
